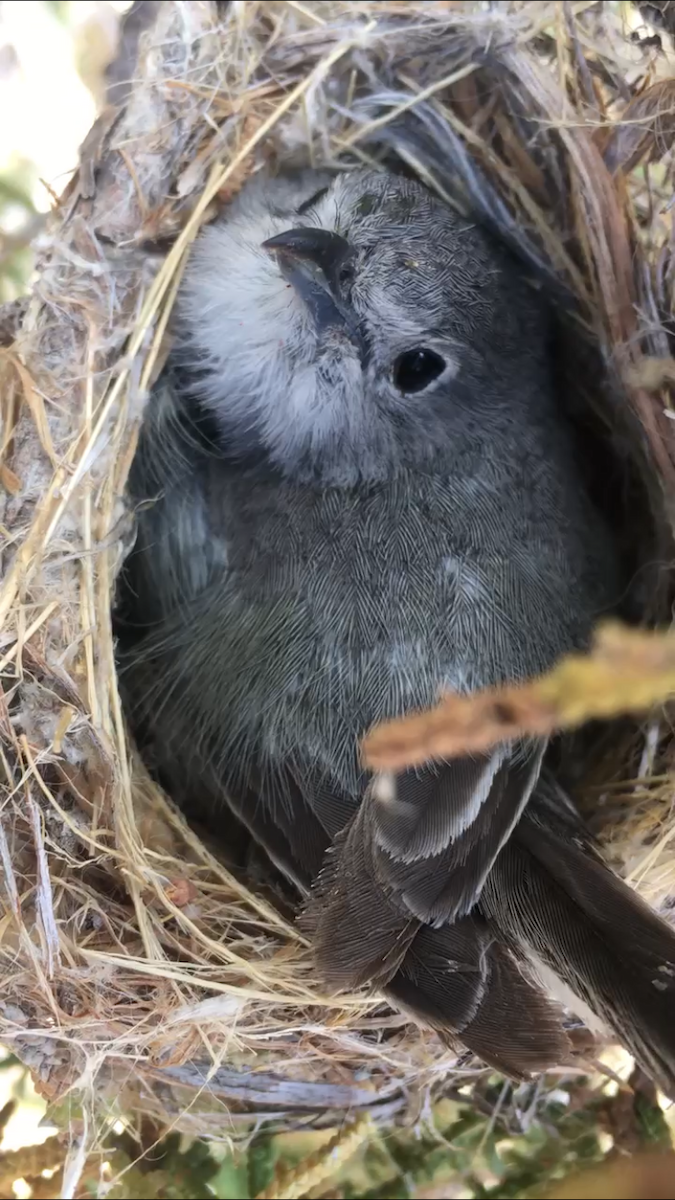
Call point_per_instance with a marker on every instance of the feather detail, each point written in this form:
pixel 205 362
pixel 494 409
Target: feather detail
pixel 463 983
pixel 556 903
pixel 359 933
pixel 437 832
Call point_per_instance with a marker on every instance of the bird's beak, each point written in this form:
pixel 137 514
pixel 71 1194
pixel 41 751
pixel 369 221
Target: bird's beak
pixel 311 261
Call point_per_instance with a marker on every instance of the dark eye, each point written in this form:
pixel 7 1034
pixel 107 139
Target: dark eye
pixel 307 204
pixel 416 369
pixel 345 274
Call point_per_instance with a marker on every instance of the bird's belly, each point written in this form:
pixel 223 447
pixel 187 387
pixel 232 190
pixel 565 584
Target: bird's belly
pixel 319 665
pixel 331 620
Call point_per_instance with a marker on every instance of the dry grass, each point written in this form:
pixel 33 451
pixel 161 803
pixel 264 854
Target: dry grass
pixel 134 968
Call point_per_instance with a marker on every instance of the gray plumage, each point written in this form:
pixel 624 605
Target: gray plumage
pixel 358 490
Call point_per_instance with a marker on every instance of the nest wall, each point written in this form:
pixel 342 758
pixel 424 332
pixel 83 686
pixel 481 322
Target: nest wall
pixel 134 968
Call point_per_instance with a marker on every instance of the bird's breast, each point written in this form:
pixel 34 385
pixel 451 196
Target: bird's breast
pixel 291 620
pixel 343 610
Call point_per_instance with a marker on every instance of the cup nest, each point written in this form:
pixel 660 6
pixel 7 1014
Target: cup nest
pixel 134 967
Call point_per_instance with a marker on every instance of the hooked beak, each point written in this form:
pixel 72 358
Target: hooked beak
pixel 311 260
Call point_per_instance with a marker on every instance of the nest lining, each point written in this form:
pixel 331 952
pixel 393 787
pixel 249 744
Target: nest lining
pixel 134 967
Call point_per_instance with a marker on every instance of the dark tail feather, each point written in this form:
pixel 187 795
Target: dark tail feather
pixel 557 903
pixel 359 934
pixel 462 982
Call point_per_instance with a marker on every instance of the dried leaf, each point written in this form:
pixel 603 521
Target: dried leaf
pixel 629 1179
pixel 237 179
pixel 9 480
pixel 36 405
pixel 627 671
pixel 645 128
pixel 651 373
pixel 63 725
pixel 181 892
pixel 30 1161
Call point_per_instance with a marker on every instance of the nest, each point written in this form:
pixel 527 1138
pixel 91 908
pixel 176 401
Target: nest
pixel 134 967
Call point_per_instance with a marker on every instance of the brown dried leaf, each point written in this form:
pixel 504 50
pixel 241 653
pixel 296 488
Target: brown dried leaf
pixel 646 1175
pixel 30 1161
pixel 63 725
pixel 36 405
pixel 251 124
pixel 181 892
pixel 645 129
pixel 651 373
pixel 9 480
pixel 627 671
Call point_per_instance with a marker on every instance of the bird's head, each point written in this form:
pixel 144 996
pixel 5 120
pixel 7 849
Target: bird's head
pixel 346 325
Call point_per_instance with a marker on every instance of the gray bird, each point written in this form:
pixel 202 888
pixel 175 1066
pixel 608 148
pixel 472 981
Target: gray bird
pixel 355 488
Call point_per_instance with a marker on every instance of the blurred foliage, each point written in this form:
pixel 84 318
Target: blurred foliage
pixel 169 1170
pixel 645 1176
pixel 503 1141
pixel 19 222
pixel 83 48
pixel 59 8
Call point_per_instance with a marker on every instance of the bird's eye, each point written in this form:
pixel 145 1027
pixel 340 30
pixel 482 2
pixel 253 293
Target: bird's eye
pixel 345 274
pixel 416 369
pixel 307 204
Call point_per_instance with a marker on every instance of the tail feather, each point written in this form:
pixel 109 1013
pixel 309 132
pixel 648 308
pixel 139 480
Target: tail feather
pixel 557 904
pixel 551 917
pixel 359 934
pixel 463 983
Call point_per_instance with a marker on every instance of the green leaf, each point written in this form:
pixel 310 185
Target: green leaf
pixel 231 1180
pixel 492 1156
pixel 263 1153
pixel 651 1121
pixel 12 192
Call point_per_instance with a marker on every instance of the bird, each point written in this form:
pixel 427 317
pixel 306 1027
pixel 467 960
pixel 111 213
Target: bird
pixel 355 488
